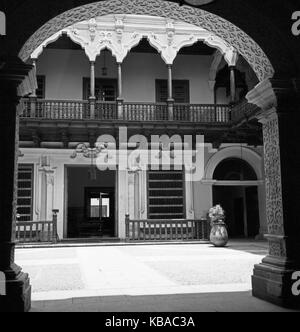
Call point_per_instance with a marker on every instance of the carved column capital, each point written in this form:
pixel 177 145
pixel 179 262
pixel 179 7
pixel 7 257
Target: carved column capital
pixel 281 94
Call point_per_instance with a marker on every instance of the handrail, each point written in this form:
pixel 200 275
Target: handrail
pixel 167 230
pixel 37 231
pixel 124 111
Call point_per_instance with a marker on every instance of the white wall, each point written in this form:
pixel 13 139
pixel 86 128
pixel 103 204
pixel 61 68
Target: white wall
pixel 65 69
pixel 200 196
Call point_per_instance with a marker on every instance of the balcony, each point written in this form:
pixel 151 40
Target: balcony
pixel 59 110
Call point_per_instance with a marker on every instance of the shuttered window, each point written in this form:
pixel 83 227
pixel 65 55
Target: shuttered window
pixel 25 192
pixel 166 195
pixel 181 91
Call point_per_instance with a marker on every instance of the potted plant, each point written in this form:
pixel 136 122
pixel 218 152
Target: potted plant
pixel 219 234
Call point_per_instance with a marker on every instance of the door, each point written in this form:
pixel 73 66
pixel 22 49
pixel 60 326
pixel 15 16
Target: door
pixel 100 210
pixel 105 89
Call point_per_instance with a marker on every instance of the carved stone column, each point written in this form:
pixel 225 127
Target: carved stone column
pixel 18 290
pixel 47 189
pixel 280 116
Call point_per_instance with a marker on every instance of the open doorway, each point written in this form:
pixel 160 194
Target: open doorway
pixel 236 190
pixel 91 203
pixel 242 209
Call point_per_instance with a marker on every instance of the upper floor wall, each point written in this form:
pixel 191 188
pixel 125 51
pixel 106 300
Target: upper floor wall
pixel 64 71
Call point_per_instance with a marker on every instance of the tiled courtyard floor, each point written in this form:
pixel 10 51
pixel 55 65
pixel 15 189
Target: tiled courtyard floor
pixel 160 278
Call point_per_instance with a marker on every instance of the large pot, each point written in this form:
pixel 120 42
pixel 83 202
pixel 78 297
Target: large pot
pixel 219 234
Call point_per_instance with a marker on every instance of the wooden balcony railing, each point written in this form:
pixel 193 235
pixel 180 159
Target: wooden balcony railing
pixel 56 110
pixel 167 230
pixel 202 113
pixel 145 112
pixel 112 111
pixel 39 231
pixel 106 111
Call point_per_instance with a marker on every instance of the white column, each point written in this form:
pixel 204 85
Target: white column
pixel 34 63
pixel 47 194
pixel 189 189
pixel 137 195
pixel 92 95
pixel 50 194
pixel 122 202
pixel 143 195
pixel 131 195
pixel 232 84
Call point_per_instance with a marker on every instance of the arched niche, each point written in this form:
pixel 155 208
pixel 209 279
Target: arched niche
pixel 248 155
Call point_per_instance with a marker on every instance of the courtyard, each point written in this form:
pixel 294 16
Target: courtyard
pixel 140 278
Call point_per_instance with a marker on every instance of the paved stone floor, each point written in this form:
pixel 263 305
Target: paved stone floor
pixel 155 278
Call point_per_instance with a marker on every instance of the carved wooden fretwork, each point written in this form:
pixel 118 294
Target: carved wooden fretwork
pixel 215 25
pixel 120 34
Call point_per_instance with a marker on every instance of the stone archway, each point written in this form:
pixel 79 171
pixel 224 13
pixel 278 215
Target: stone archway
pixel 227 31
pixel 278 99
pixel 250 156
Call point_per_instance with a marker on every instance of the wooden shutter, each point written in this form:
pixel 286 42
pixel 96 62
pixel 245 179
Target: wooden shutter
pixel 166 195
pixel 25 192
pixel 181 91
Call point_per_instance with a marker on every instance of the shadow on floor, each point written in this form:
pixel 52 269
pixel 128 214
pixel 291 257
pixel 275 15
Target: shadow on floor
pixel 260 248
pixel 214 302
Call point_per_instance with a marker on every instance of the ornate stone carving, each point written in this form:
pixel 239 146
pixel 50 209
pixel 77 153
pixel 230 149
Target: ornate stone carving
pixel 87 152
pixel 277 249
pixel 220 27
pixel 273 175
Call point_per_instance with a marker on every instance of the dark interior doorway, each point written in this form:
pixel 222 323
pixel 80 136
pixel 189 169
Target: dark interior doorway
pixel 240 202
pixel 91 203
pixel 242 209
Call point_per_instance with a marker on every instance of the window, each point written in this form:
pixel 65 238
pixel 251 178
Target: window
pixel 99 204
pixel 25 192
pixel 105 89
pixel 41 90
pixel 166 195
pixel 234 169
pixel 181 91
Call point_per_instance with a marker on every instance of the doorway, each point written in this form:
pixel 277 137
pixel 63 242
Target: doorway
pixel 91 203
pixel 236 190
pixel 105 89
pixel 242 210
